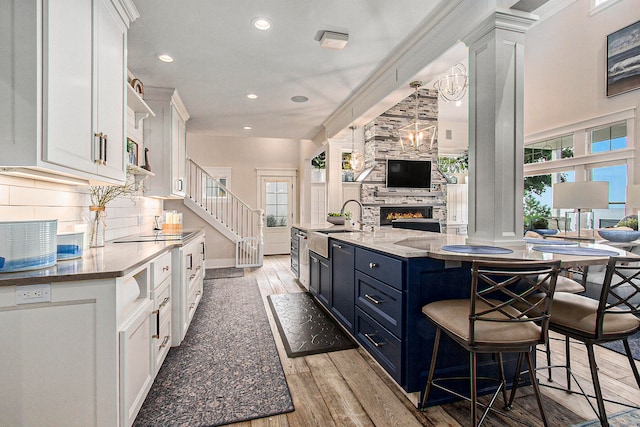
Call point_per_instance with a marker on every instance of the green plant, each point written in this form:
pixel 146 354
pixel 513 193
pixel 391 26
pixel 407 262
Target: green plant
pixel 450 165
pixel 539 223
pixel 629 222
pixel 283 221
pixel 533 210
pixel 334 214
pixel 347 215
pixel 272 221
pixel 319 161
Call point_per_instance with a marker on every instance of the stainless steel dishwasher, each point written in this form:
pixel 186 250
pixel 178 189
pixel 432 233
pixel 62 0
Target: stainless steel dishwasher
pixel 303 258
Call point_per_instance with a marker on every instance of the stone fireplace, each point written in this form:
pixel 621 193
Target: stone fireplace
pixel 389 213
pixel 382 143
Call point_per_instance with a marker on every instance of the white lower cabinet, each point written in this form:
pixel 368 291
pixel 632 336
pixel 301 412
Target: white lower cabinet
pixel 90 355
pixel 161 295
pixel 187 287
pixel 137 367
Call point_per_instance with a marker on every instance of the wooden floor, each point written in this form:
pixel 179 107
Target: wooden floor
pixel 347 388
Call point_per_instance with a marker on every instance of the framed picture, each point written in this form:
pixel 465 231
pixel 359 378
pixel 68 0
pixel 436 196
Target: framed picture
pixel 132 150
pixel 623 60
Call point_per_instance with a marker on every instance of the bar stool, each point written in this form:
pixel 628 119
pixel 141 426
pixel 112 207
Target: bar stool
pixel 611 318
pixel 489 323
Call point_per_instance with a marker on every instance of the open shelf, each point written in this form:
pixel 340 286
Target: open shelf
pixel 139 107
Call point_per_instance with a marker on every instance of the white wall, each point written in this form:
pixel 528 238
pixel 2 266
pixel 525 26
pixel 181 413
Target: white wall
pixel 243 156
pixel 565 66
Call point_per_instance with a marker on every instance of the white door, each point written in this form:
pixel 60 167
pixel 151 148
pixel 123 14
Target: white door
pixel 277 197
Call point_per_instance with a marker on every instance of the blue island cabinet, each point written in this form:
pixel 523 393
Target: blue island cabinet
pixel 320 278
pixel 388 322
pixel 342 284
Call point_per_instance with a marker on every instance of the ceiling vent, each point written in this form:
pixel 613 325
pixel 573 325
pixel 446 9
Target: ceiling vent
pixel 332 40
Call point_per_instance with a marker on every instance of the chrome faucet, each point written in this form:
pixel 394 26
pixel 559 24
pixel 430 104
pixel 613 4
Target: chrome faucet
pixel 359 204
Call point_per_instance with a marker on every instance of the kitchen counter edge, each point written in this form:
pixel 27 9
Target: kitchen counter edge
pixel 108 262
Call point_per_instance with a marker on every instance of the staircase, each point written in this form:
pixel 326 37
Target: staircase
pixel 224 211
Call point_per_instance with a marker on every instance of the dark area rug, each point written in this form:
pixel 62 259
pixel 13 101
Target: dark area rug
pixel 634 344
pixel 305 327
pixel 224 272
pixel 227 368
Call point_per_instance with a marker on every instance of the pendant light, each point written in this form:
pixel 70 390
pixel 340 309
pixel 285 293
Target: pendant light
pixel 452 85
pixel 357 159
pixel 414 134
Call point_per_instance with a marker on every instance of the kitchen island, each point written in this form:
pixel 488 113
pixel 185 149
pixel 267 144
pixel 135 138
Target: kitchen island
pixel 83 341
pixel 375 284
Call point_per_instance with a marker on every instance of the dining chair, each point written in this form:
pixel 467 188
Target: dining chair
pixel 615 316
pixel 489 323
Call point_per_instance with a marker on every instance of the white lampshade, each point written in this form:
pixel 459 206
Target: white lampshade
pixel 633 196
pixel 581 195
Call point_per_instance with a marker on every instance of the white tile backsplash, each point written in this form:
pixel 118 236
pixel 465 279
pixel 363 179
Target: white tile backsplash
pixel 26 199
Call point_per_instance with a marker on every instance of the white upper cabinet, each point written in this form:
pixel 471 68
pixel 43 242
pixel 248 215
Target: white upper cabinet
pixel 65 109
pixel 165 136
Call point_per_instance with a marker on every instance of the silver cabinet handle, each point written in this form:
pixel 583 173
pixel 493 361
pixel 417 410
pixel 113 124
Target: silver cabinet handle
pixel 97 151
pixel 372 341
pixel 337 246
pixel 165 268
pixel 190 263
pixel 157 314
pixel 104 150
pixel 164 302
pixel 372 299
pixel 315 260
pixel 192 276
pixel 374 265
pixel 164 341
pixel 179 184
pixel 198 293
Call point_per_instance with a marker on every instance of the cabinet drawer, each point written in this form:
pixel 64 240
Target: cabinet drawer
pixel 162 342
pixel 379 343
pixel 162 296
pixel 194 299
pixel 381 267
pixel 382 302
pixel 161 269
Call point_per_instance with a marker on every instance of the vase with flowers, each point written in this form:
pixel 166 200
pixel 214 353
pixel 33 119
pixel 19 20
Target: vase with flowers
pixel 100 195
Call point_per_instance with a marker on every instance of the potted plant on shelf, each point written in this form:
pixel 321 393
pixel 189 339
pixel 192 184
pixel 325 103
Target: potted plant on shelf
pixel 319 164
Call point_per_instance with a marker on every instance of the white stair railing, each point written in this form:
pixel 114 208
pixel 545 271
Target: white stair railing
pixel 226 212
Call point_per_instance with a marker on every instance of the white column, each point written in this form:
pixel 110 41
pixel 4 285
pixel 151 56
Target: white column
pixel 496 154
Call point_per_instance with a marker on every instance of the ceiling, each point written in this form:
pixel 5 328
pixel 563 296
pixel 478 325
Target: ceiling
pixel 220 57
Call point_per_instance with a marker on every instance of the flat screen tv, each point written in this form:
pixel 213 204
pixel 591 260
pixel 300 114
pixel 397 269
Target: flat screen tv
pixel 408 173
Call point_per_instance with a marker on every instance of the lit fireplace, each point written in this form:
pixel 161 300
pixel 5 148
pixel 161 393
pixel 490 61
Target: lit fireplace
pixel 389 213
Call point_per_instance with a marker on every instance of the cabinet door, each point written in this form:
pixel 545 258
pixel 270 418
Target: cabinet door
pixel 343 285
pixel 324 284
pixel 178 151
pixel 67 84
pixel 109 91
pixel 136 364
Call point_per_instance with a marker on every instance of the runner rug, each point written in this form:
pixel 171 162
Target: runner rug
pixel 227 368
pixel 305 327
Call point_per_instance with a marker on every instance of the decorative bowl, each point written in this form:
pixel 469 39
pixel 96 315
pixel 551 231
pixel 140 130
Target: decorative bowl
pixel 613 235
pixel 545 231
pixel 335 220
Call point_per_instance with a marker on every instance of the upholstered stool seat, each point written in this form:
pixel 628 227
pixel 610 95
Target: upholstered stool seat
pixel 453 315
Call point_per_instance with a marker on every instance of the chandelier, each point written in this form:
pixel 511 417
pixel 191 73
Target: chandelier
pixel 415 134
pixel 357 159
pixel 452 86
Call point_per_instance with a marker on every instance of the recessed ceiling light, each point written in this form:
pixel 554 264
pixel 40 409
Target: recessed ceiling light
pixel 164 57
pixel 247 128
pixel 252 96
pixel 261 23
pixel 299 98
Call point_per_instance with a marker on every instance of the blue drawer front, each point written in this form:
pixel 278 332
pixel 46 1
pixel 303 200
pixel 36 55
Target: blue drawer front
pixel 380 343
pixel 380 301
pixel 381 267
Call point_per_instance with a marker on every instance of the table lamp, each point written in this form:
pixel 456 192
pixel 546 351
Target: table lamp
pixel 581 195
pixel 633 197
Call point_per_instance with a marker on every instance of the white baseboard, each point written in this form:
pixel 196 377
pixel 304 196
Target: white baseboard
pixel 220 262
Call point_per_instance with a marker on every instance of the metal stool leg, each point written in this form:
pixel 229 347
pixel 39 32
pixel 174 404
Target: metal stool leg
pixel 503 382
pixel 474 387
pixel 536 388
pixel 634 368
pixel 516 382
pixel 432 369
pixel 567 362
pixel 596 385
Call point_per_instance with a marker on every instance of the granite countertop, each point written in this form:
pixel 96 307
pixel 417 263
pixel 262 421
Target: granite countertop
pixel 412 243
pixel 112 260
